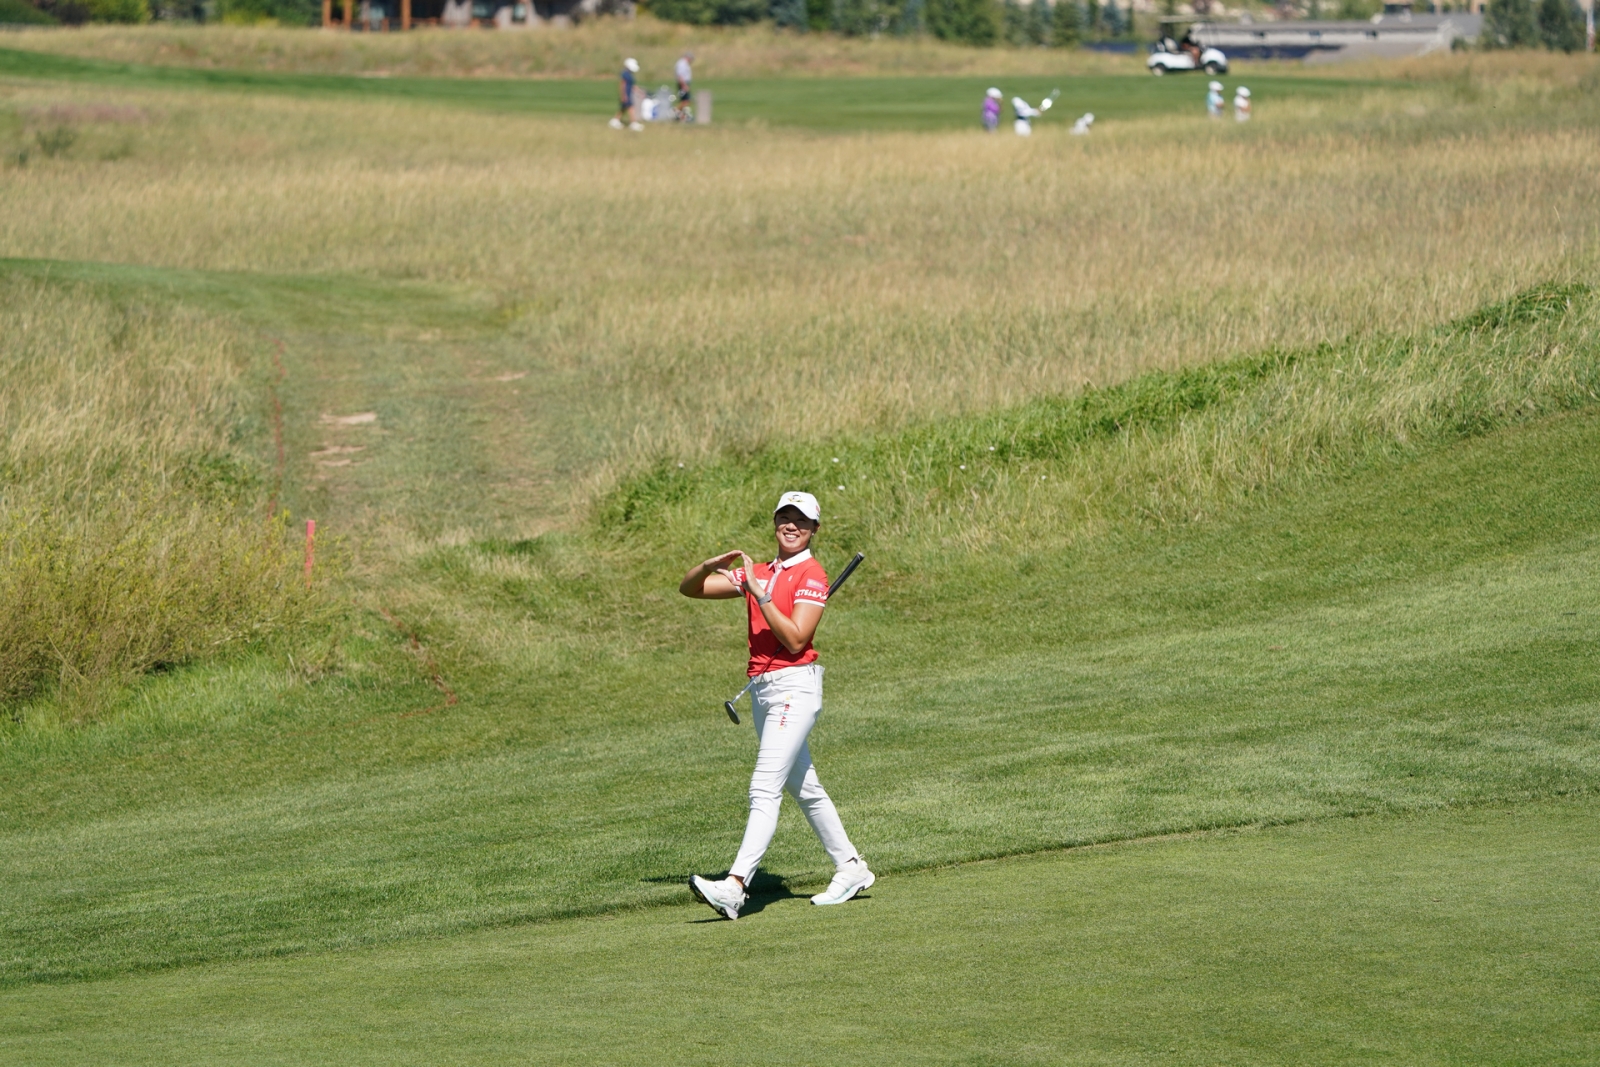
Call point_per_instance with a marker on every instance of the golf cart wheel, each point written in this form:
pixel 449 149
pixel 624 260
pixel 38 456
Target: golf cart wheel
pixel 1213 68
pixel 1158 70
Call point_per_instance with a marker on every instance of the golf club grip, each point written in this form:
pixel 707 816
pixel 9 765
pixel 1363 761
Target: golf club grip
pixel 849 569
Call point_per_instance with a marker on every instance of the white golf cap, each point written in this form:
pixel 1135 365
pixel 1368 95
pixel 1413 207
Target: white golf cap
pixel 994 92
pixel 1215 85
pixel 632 64
pixel 805 503
pixel 1243 91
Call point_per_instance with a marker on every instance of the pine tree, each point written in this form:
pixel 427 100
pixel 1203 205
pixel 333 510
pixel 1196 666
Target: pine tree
pixel 1112 16
pixel 854 18
pixel 1066 24
pixel 1014 21
pixel 1040 17
pixel 1561 26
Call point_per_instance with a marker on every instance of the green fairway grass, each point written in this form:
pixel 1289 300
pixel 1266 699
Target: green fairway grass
pixel 912 103
pixel 1460 937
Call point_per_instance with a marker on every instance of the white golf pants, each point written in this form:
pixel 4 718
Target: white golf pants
pixel 787 704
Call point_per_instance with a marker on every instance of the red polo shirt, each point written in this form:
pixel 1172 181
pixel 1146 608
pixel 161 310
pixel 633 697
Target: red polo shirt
pixel 800 578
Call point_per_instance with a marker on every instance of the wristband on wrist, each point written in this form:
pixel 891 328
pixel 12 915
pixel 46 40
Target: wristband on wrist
pixel 764 599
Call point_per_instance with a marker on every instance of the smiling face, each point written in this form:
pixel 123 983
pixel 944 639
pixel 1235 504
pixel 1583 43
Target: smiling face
pixel 793 530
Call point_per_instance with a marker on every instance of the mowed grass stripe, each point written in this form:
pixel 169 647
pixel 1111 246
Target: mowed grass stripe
pixel 818 103
pixel 600 784
pixel 1455 937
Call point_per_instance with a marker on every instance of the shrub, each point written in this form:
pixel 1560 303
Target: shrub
pixel 256 12
pixel 790 14
pixel 1510 24
pixel 1358 9
pixel 134 11
pixel 20 12
pixel 975 22
pixel 709 12
pixel 861 18
pixel 96 595
pixel 67 12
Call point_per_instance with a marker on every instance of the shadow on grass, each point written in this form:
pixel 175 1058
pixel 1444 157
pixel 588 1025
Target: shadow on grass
pixel 763 889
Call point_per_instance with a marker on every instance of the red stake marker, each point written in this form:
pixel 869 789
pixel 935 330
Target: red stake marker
pixel 311 536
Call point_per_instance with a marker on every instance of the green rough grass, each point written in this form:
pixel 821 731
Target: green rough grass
pixel 1458 937
pixel 1161 448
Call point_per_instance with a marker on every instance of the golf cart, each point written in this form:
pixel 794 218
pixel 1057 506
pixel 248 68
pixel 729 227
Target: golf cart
pixel 1168 55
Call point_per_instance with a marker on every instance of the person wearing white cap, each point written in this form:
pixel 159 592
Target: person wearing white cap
pixel 683 70
pixel 991 109
pixel 785 599
pixel 1214 100
pixel 1241 104
pixel 630 67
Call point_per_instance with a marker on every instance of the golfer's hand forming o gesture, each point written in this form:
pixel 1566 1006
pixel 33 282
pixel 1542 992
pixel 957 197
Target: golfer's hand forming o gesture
pixel 752 584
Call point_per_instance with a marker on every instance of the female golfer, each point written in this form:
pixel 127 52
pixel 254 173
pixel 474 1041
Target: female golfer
pixel 785 599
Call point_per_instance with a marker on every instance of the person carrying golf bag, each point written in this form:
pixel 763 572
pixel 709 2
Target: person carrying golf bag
pixel 785 599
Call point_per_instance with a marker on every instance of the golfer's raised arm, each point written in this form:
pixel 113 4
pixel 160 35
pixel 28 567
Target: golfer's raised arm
pixel 710 580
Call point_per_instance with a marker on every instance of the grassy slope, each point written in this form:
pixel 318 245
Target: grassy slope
pixel 1422 637
pixel 1458 938
pixel 916 103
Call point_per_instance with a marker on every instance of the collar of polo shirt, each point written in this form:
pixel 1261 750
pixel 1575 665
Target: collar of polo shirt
pixel 799 557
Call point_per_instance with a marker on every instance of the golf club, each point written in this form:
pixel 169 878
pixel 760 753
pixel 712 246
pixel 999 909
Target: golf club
pixel 849 569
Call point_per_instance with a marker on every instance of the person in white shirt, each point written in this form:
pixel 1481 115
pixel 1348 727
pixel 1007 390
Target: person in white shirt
pixel 685 74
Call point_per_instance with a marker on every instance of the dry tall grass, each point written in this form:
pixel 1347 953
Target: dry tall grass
pixel 692 291
pixel 93 392
pixel 593 49
pixel 131 532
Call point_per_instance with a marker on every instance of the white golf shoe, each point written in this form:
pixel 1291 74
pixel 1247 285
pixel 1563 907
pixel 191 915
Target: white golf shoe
pixel 616 124
pixel 849 880
pixel 636 127
pixel 726 897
